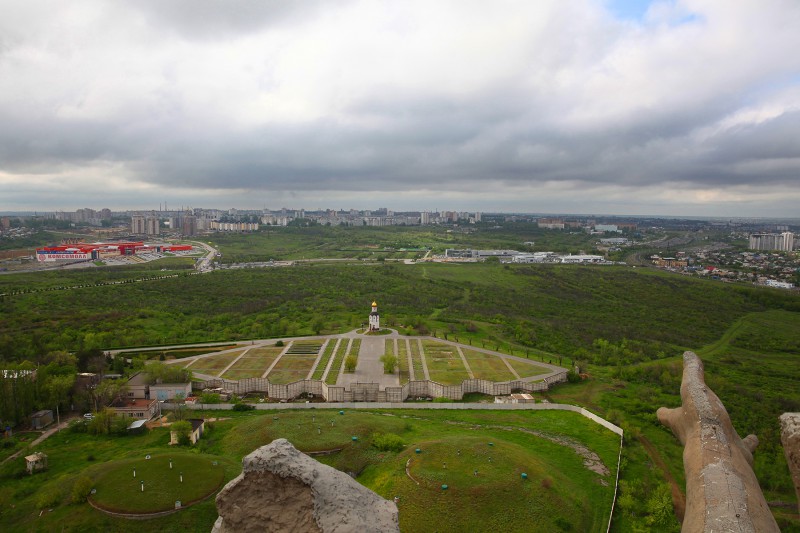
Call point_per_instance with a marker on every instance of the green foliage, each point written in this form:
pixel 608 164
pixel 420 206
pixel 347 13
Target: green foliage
pixel 389 363
pixel 388 442
pixel 279 343
pixel 573 377
pixel 158 372
pixel 659 507
pixel 182 429
pixel 49 497
pixel 81 489
pixel 350 363
pixel 210 397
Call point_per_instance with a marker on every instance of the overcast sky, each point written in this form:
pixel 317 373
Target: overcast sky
pixel 688 107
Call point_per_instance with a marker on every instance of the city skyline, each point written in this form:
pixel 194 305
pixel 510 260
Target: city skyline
pixel 623 107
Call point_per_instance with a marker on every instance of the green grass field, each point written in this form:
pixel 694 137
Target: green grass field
pixel 336 366
pixel 402 360
pixel 120 492
pixel 326 356
pixel 416 360
pixel 487 366
pixel 292 367
pixel 254 363
pixel 526 370
pixel 214 364
pixel 444 364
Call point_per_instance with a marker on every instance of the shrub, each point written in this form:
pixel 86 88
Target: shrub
pixel 350 363
pixel 81 489
pixel 387 442
pixel 49 497
pixel 243 407
pixel 573 377
pixel 279 343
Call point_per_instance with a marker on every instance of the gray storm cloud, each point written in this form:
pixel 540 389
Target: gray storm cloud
pixel 257 97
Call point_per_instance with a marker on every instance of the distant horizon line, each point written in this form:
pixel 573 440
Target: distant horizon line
pixel 483 213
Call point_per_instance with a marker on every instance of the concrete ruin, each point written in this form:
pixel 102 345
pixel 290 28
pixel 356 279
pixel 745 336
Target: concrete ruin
pixel 282 489
pixel 790 438
pixel 722 492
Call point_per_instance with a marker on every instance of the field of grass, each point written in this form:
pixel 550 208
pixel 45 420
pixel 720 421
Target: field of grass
pixel 292 367
pixel 402 360
pixel 444 364
pixel 323 362
pixel 486 366
pixel 497 497
pixel 354 349
pixel 118 491
pixel 416 360
pixel 336 366
pixel 177 353
pixel 254 363
pixel 526 370
pixel 214 364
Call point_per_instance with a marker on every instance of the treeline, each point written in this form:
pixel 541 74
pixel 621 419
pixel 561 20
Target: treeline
pixel 561 310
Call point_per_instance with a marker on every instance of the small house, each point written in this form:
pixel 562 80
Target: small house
pixel 198 426
pixel 36 461
pixel 522 398
pixel 41 419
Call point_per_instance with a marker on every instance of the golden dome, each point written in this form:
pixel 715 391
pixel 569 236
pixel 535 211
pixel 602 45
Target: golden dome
pixel 374 304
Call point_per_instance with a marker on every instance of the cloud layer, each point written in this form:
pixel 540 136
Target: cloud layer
pixel 692 108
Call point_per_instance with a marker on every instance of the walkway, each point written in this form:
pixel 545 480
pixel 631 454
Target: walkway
pixel 369 368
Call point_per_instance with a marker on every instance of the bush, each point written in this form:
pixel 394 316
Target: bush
pixel 387 442
pixel 81 489
pixel 279 343
pixel 48 498
pixel 573 377
pixel 243 407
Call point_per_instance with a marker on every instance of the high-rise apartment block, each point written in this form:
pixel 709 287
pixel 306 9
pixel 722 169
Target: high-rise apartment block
pixel 772 241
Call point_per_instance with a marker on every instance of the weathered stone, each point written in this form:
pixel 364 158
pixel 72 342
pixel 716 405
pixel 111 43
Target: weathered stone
pixel 790 438
pixel 282 489
pixel 722 492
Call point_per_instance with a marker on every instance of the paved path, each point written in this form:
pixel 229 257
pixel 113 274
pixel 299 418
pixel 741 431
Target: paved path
pixel 369 368
pixel 233 362
pixel 39 439
pixel 330 361
pixel 424 361
pixel 466 363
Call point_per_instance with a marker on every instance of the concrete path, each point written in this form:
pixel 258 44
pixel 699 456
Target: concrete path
pixel 275 362
pixel 466 363
pixel 369 368
pixel 330 361
pixel 316 361
pixel 233 362
pixel 510 368
pixel 424 361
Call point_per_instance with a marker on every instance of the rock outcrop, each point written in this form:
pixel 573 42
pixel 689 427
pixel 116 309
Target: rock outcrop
pixel 282 489
pixel 722 492
pixel 790 438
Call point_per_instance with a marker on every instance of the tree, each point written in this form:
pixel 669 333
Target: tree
pixel 57 390
pixel 107 391
pixel 389 362
pixel 350 363
pixel 182 429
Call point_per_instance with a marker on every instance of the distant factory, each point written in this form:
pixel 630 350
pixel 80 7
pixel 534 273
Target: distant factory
pixel 81 251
